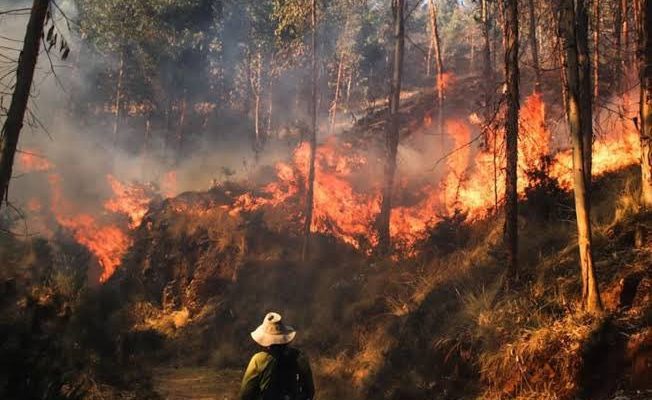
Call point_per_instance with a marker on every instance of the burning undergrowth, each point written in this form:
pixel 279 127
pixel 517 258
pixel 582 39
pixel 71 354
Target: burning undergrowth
pixel 468 181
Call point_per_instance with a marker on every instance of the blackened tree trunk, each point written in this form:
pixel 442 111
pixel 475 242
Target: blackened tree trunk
pixel 618 32
pixel 439 65
pixel 511 128
pixel 586 89
pixel 392 136
pixel 646 102
pixel 534 44
pixel 567 30
pixel 486 51
pixel 596 48
pixel 313 137
pixel 24 77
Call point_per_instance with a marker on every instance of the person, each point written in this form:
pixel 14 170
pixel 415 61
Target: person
pixel 278 372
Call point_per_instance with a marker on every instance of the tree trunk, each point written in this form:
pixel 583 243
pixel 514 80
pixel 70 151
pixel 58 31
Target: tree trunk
pixel 146 146
pixel 472 57
pixel 392 137
pixel 567 30
pixel 270 98
pixel 563 80
pixel 618 31
pixel 336 98
pixel 348 87
pixel 625 41
pixel 181 125
pixel 487 65
pixel 534 43
pixel 24 77
pixel 305 251
pixel 118 98
pixel 596 49
pixel 586 89
pixel 169 109
pixel 511 130
pixel 646 102
pixel 439 65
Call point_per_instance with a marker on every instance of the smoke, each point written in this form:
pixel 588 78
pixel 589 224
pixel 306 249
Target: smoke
pixel 81 149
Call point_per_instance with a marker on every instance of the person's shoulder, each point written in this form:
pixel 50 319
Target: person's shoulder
pixel 260 357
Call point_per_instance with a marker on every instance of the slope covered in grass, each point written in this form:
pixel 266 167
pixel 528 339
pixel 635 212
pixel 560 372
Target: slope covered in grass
pixel 442 325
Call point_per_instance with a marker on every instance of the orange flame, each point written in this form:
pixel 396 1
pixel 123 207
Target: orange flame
pixel 29 161
pixel 130 200
pixel 473 182
pixel 106 241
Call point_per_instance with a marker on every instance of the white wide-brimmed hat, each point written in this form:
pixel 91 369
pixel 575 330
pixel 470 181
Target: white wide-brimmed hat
pixel 273 331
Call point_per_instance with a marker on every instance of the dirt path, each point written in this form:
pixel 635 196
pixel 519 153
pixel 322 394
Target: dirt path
pixel 196 383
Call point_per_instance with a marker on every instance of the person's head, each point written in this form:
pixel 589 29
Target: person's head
pixel 273 332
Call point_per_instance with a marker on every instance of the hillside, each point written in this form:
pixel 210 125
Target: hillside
pixel 440 326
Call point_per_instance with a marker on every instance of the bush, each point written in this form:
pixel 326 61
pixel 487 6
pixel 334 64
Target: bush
pixel 545 198
pixel 449 234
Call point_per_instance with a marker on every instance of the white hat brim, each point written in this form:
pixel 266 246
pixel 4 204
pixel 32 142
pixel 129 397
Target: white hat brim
pixel 265 339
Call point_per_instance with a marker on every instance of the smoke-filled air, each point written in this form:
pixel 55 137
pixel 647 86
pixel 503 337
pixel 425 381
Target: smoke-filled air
pixel 311 199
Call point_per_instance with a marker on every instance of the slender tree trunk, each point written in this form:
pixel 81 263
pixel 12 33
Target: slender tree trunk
pixel 118 99
pixel 646 102
pixel 24 77
pixel 270 108
pixel 567 27
pixel 430 49
pixel 439 65
pixel 313 137
pixel 181 125
pixel 487 64
pixel 586 89
pixel 596 49
pixel 511 129
pixel 146 145
pixel 336 98
pixel 270 97
pixel 495 165
pixel 393 129
pixel 534 44
pixel 168 126
pixel 636 10
pixel 618 32
pixel 562 72
pixel 625 17
pixel 472 58
pixel 348 87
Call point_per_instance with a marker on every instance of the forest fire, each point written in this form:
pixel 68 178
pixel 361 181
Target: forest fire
pixel 473 182
pixel 105 236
